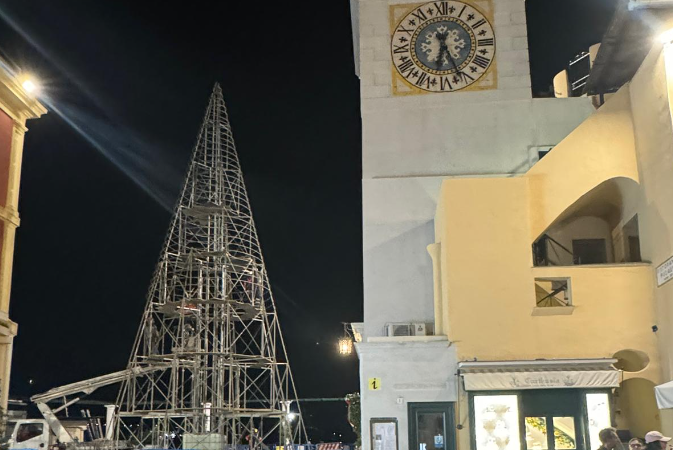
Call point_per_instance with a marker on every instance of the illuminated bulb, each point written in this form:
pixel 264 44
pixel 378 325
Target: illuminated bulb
pixel 291 416
pixel 29 86
pixel 345 346
pixel 666 37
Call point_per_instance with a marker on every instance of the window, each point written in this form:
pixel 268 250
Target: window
pixel 589 251
pixel 28 431
pixel 561 430
pixel 632 234
pixel 496 421
pixel 431 426
pixel 598 414
pixel 536 433
pixel 551 292
pixel 634 249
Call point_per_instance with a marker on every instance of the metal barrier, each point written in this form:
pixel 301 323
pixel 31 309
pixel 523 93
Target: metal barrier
pixel 320 446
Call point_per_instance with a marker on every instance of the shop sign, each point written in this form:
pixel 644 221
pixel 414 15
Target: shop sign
pixel 665 272
pixel 487 381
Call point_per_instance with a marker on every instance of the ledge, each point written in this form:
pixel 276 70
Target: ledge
pixel 391 339
pixel 553 311
pixel 596 266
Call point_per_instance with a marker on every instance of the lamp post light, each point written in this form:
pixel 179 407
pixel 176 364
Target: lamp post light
pixel 30 84
pixel 345 344
pixel 666 37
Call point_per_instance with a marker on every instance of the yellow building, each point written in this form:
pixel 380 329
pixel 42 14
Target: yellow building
pixel 16 106
pixel 546 284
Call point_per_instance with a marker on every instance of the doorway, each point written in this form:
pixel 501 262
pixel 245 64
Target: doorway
pixel 431 426
pixel 553 419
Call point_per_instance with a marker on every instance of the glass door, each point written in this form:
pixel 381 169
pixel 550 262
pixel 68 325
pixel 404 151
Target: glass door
pixel 431 426
pixel 553 420
pixel 550 432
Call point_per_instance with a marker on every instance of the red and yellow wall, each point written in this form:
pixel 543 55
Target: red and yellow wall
pixel 16 107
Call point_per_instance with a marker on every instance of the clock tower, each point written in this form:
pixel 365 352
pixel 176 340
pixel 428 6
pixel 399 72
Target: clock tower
pixel 445 92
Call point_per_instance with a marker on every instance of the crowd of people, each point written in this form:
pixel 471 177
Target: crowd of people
pixel 653 440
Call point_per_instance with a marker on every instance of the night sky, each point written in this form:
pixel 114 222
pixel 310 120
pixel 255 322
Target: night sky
pixel 134 78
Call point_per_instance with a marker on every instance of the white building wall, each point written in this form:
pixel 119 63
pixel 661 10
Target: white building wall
pixel 409 372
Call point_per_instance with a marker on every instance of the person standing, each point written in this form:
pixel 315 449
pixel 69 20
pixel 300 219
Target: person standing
pixel 656 441
pixel 636 444
pixel 609 439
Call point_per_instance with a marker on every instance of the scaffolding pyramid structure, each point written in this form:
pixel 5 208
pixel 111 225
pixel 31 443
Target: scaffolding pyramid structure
pixel 209 369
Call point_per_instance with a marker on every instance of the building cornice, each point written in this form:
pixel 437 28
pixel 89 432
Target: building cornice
pixel 16 102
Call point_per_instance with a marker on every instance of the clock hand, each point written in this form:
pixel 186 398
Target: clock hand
pixel 441 37
pixel 453 63
pixel 439 60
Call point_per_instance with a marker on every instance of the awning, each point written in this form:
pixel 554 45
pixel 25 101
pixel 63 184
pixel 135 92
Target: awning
pixel 664 394
pixel 539 374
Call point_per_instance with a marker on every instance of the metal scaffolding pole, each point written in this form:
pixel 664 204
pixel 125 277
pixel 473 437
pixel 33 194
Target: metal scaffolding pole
pixel 210 326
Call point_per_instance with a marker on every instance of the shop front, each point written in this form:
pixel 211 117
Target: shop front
pixel 539 405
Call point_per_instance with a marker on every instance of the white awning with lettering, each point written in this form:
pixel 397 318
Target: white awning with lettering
pixel 539 374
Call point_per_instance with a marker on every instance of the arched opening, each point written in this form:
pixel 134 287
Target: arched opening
pixel 596 229
pixel 631 360
pixel 637 407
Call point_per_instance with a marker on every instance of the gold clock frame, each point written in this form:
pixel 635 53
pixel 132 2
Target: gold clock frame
pixel 401 87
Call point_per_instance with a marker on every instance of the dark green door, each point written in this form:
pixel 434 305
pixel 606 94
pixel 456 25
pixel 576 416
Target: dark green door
pixel 553 419
pixel 431 426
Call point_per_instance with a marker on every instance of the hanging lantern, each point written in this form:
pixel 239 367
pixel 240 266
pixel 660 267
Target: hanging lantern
pixel 345 346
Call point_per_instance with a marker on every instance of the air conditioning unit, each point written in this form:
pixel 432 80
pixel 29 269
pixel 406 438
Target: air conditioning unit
pixel 406 329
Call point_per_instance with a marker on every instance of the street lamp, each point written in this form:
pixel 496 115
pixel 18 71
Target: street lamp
pixel 666 37
pixel 345 344
pixel 29 83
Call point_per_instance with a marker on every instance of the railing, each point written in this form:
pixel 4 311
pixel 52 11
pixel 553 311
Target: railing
pixel 544 247
pixel 578 73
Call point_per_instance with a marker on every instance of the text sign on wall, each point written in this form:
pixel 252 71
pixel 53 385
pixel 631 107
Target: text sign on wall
pixel 384 434
pixel 665 272
pixel 564 379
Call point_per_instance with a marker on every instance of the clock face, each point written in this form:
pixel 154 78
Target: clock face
pixel 443 46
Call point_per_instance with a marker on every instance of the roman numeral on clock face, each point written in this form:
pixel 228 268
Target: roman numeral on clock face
pixel 400 48
pixel 481 61
pixel 423 79
pixel 409 32
pixel 442 8
pixel 406 66
pixel 478 24
pixel 419 14
pixel 481 42
pixel 464 76
pixel 445 84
